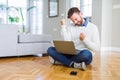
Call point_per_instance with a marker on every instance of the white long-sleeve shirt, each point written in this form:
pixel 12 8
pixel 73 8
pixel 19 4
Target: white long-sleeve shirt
pixel 91 41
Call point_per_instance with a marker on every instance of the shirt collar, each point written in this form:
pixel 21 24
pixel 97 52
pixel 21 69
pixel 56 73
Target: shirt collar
pixel 86 22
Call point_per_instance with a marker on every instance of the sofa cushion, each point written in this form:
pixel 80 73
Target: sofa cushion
pixel 26 38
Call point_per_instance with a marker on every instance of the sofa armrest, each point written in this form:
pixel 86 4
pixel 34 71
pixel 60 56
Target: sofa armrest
pixel 8 39
pixel 34 38
pixel 31 44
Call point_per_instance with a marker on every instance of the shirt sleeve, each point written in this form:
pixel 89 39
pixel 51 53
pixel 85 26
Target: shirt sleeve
pixel 93 43
pixel 65 33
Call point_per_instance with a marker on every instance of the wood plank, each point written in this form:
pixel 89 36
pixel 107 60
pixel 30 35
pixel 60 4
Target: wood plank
pixel 105 66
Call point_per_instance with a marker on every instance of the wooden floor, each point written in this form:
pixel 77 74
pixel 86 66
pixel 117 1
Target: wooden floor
pixel 105 66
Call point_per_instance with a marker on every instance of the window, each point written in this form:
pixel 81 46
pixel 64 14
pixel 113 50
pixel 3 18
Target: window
pixel 3 6
pixel 84 5
pixel 75 3
pixel 36 19
pixel 14 11
pixel 23 12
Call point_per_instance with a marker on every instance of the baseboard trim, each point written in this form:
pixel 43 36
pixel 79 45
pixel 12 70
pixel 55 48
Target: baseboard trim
pixel 117 49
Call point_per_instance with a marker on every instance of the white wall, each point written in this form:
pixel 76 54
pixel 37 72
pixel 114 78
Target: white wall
pixel 52 25
pixel 97 13
pixel 106 23
pixel 102 17
pixel 116 24
pixel 106 14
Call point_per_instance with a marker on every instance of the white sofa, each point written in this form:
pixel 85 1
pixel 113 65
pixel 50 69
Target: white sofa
pixel 14 44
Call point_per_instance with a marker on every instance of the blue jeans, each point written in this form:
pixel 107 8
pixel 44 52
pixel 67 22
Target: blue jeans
pixel 82 56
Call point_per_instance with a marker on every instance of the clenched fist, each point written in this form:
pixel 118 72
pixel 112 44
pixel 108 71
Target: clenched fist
pixel 63 22
pixel 82 36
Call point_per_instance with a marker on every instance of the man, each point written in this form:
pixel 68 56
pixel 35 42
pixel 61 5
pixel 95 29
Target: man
pixel 85 36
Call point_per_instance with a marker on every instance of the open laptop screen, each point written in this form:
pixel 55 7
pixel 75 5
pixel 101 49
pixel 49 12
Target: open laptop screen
pixel 65 47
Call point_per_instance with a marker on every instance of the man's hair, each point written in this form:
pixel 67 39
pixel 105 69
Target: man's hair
pixel 73 10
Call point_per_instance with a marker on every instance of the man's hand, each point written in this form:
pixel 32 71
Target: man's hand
pixel 82 36
pixel 63 22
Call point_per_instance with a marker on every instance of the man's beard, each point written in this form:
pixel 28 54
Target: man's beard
pixel 81 22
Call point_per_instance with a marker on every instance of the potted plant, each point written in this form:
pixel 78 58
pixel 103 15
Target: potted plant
pixel 16 18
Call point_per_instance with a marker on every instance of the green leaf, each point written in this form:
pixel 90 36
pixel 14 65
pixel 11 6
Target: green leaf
pixel 11 19
pixel 17 19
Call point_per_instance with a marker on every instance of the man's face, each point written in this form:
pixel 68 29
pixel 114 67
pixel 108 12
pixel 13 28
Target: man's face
pixel 77 19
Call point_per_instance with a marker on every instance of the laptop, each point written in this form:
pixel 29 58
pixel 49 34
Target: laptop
pixel 65 47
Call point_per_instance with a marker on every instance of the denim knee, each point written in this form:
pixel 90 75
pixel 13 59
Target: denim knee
pixel 50 50
pixel 86 56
